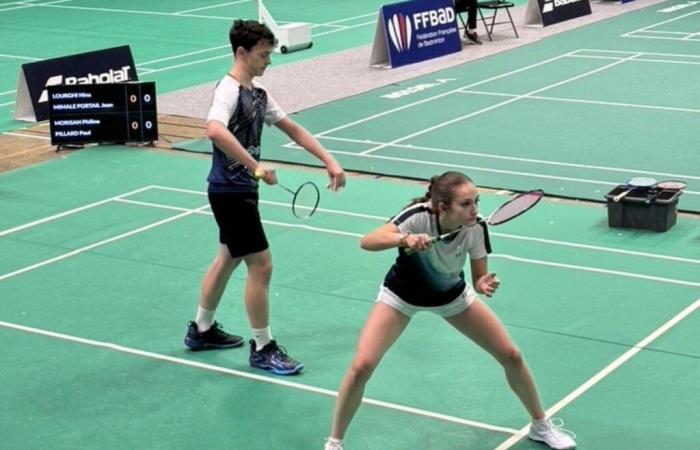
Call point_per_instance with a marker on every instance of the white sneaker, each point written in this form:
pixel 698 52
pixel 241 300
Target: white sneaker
pixel 552 434
pixel 333 444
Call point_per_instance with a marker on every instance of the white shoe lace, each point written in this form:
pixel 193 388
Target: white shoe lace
pixel 557 425
pixel 552 432
pixel 333 445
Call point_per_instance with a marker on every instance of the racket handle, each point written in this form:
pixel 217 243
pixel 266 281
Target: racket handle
pixel 622 195
pixel 410 251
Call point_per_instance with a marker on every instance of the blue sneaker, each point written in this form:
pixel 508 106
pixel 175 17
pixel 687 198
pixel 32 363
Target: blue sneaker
pixel 274 358
pixel 214 337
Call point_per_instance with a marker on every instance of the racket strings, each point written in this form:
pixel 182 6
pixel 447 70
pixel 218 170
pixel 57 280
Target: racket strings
pixel 306 200
pixel 515 207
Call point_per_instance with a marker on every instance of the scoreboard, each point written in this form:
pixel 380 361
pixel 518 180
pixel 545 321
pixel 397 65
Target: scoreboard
pixel 97 113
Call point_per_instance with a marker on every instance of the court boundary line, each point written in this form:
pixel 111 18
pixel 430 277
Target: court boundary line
pixel 574 53
pixel 618 362
pixel 502 157
pixel 505 102
pixel 380 218
pixel 253 377
pixel 629 34
pixel 200 210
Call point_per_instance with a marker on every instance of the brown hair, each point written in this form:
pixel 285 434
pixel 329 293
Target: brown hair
pixel 441 189
pixel 247 33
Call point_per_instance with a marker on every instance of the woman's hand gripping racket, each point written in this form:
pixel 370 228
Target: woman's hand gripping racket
pixel 511 209
pixel 305 198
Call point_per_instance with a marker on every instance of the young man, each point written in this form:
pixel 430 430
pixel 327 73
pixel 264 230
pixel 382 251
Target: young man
pixel 234 125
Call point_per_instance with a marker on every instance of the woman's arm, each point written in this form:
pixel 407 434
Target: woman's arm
pixel 389 236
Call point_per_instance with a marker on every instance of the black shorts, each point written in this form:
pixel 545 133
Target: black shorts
pixel 239 222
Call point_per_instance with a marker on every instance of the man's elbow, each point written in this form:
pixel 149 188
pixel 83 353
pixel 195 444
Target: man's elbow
pixel 213 131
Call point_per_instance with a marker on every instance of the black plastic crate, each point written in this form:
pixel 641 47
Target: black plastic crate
pixel 643 208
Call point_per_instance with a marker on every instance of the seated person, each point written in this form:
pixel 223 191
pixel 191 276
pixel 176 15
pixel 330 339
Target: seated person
pixel 470 28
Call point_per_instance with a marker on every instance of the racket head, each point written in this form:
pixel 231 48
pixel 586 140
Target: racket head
pixel 641 182
pixel 306 199
pixel 672 184
pixel 516 206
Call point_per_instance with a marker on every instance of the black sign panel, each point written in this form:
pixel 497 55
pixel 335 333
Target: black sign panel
pixel 85 113
pixel 555 11
pixel 112 65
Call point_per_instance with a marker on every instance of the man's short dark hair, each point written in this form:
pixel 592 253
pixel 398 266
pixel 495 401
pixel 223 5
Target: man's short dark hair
pixel 247 33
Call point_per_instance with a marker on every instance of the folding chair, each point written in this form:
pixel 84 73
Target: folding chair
pixel 495 6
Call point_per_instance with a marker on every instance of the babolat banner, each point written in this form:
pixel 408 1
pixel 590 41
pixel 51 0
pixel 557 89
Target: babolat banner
pixel 111 65
pixel 548 12
pixel 410 32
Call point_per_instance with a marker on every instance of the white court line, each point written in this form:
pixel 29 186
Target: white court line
pixel 252 376
pixel 684 33
pixel 592 102
pixel 597 270
pixel 482 169
pixel 211 7
pixel 29 58
pixel 383 219
pixel 196 52
pixel 578 392
pixel 687 38
pixel 498 105
pixel 99 244
pixel 509 158
pixel 187 211
pixel 70 211
pixel 673 19
pixel 437 96
pixel 345 28
pixel 649 60
pixel 496 77
pixel 680 55
pixel 122 199
pixel 131 11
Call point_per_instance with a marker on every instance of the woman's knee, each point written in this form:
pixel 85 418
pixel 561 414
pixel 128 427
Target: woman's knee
pixel 510 357
pixel 361 370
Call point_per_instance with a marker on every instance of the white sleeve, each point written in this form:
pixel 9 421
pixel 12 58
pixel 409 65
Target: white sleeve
pixel 477 250
pixel 225 101
pixel 273 113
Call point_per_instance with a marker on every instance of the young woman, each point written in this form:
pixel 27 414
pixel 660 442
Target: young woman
pixel 429 277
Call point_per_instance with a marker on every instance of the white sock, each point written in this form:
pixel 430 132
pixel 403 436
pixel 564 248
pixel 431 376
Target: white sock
pixel 333 440
pixel 204 319
pixel 262 337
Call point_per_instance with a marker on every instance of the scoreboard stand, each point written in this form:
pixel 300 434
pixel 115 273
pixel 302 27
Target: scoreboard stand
pixel 110 113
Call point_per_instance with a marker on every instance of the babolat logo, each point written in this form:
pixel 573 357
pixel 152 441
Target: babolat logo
pixel 549 5
pixel 111 76
pixel 401 28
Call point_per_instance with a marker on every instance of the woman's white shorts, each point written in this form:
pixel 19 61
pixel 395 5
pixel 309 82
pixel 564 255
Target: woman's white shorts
pixel 456 306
